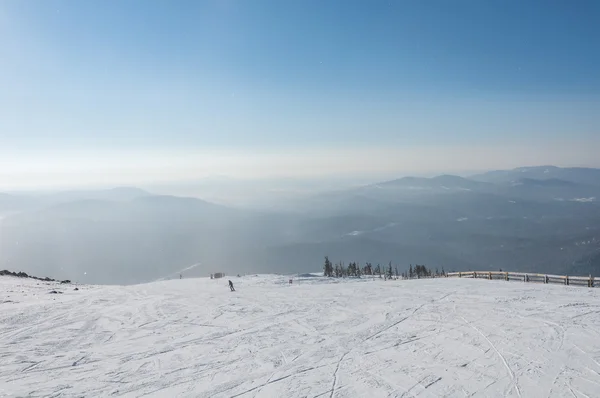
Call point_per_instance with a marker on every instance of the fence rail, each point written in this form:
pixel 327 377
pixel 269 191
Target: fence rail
pixel 526 277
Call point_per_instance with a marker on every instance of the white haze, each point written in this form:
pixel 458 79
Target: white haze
pixel 22 169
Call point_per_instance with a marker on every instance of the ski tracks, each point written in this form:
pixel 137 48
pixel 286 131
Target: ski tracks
pixel 193 338
pixel 514 380
pixel 385 329
pixel 334 386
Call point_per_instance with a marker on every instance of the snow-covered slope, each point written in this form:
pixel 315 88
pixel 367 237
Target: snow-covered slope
pixel 315 338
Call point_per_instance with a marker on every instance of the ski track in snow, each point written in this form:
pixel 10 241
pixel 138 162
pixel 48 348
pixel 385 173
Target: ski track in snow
pixel 315 338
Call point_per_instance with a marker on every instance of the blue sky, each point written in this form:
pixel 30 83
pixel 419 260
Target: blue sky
pixel 161 77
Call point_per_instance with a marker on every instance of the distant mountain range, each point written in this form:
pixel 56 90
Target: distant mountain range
pixel 544 219
pixel 443 182
pixel 580 175
pixel 28 201
pixel 539 184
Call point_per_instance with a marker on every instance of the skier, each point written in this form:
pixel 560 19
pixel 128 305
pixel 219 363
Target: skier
pixel 231 286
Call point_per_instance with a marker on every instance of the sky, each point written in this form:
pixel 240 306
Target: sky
pixel 143 90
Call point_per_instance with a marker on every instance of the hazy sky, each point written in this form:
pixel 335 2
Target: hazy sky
pixel 121 91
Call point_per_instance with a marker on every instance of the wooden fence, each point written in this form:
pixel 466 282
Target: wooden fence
pixel 526 277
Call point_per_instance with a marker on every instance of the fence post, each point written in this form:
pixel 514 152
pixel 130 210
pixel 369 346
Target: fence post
pixel 460 274
pixel 567 280
pixel 474 274
pixel 590 281
pixel 490 276
pixel 545 278
pixel 507 276
pixel 526 278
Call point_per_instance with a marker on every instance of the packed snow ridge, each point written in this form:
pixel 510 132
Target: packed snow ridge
pixel 317 337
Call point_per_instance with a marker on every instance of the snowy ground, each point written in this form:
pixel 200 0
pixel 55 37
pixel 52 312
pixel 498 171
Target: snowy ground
pixel 316 338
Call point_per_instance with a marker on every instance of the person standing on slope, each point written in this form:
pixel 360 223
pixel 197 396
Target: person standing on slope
pixel 231 286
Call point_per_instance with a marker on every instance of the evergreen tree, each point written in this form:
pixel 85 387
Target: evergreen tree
pixel 418 271
pixel 389 271
pixel 421 271
pixel 410 272
pixel 328 268
pixel 443 272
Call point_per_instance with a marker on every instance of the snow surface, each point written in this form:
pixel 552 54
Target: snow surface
pixel 314 338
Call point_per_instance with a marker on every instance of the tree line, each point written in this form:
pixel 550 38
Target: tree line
pixel 353 269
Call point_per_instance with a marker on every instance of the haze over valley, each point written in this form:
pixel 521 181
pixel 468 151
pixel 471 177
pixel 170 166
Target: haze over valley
pixel 535 219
